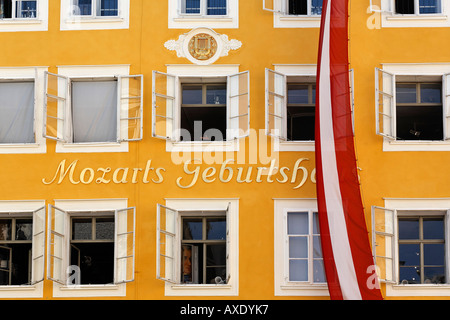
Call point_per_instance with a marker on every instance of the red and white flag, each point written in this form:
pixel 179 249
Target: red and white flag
pixel 345 241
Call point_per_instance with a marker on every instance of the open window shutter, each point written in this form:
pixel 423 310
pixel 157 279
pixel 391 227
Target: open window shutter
pixel 352 96
pixel 273 6
pixel 130 108
pixel 228 244
pixel 377 6
pixel 383 242
pixel 56 249
pixel 38 248
pixel 385 103
pixel 163 105
pixel 125 220
pixel 239 105
pixel 276 103
pixel 446 99
pixel 166 236
pixel 56 113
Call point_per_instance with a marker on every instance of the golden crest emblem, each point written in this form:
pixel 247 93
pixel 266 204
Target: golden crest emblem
pixel 202 46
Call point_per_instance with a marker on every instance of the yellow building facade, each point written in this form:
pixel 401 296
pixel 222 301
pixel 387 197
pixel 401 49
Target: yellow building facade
pixel 142 134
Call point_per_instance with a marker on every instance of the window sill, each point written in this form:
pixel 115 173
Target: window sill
pixel 418 290
pixel 201 290
pixel 106 290
pixel 294 146
pixel 303 290
pixel 417 17
pixel 299 18
pixel 96 147
pixel 94 20
pixel 23 148
pixel 22 292
pixel 20 21
pixel 202 18
pixel 416 145
pixel 200 146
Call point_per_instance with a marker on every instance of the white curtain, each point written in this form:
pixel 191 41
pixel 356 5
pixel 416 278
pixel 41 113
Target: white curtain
pixel 17 112
pixel 94 111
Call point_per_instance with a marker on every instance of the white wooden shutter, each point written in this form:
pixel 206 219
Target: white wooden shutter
pixel 38 247
pixel 163 105
pixel 273 6
pixel 446 104
pixel 125 226
pixel 166 237
pixel 378 6
pixel 57 243
pixel 383 242
pixel 238 87
pixel 130 127
pixel 385 103
pixel 276 104
pixel 56 107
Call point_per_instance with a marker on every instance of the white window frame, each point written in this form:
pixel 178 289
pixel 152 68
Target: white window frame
pixel 66 208
pixel 395 205
pixel 172 286
pixel 121 73
pixel 385 104
pixel 282 18
pixel 284 287
pixel 36 74
pixel 36 208
pixel 389 19
pixel 178 72
pixel 178 20
pixel 40 23
pixel 93 22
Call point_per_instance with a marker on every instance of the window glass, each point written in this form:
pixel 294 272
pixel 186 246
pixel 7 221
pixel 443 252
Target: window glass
pixel 431 93
pixel 216 7
pixel 408 228
pixel 430 6
pixel 298 247
pixel 406 93
pixel 5 229
pixel 24 229
pixel 84 8
pixel 298 223
pixel 316 7
pixel 216 94
pixel 298 94
pixel 17 112
pixel 26 9
pixel 104 228
pixel 192 229
pixel 82 229
pixel 192 6
pixel 216 228
pixel 108 8
pixel 298 270
pixel 192 95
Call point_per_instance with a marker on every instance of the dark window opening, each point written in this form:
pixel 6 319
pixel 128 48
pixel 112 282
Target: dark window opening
pixel 5 9
pixel 301 112
pixel 404 6
pixel 298 7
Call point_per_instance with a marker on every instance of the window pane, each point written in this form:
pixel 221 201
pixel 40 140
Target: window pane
pixel 317 247
pixel 216 255
pixel 319 271
pixel 192 229
pixel 406 93
pixel 298 7
pixel 104 228
pixel 298 247
pixel 404 6
pixel 316 7
pixel 192 95
pixel 24 229
pixel 298 223
pixel 192 6
pixel 434 274
pixel 82 229
pixel 5 229
pixel 298 270
pixel 431 93
pixel 433 228
pixel 94 107
pixel 316 229
pixel 109 8
pixel 298 94
pixel 408 228
pixel 409 275
pixel 430 6
pixel 17 112
pixel 216 275
pixel 84 8
pixel 434 254
pixel 217 7
pixel 216 228
pixel 409 254
pixel 216 94
pixel 26 9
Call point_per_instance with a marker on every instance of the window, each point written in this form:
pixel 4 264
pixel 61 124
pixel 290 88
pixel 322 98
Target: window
pixel 299 267
pixel 96 8
pixel 22 240
pixel 190 14
pixel 204 7
pixel 295 13
pixel 305 7
pixel 95 14
pixel 92 247
pixel 18 9
pixel 418 6
pixel 197 246
pixel 97 109
pixel 411 107
pixel 410 246
pixel 17 109
pixel 195 108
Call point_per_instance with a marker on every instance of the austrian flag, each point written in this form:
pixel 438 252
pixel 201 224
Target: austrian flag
pixel 345 241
